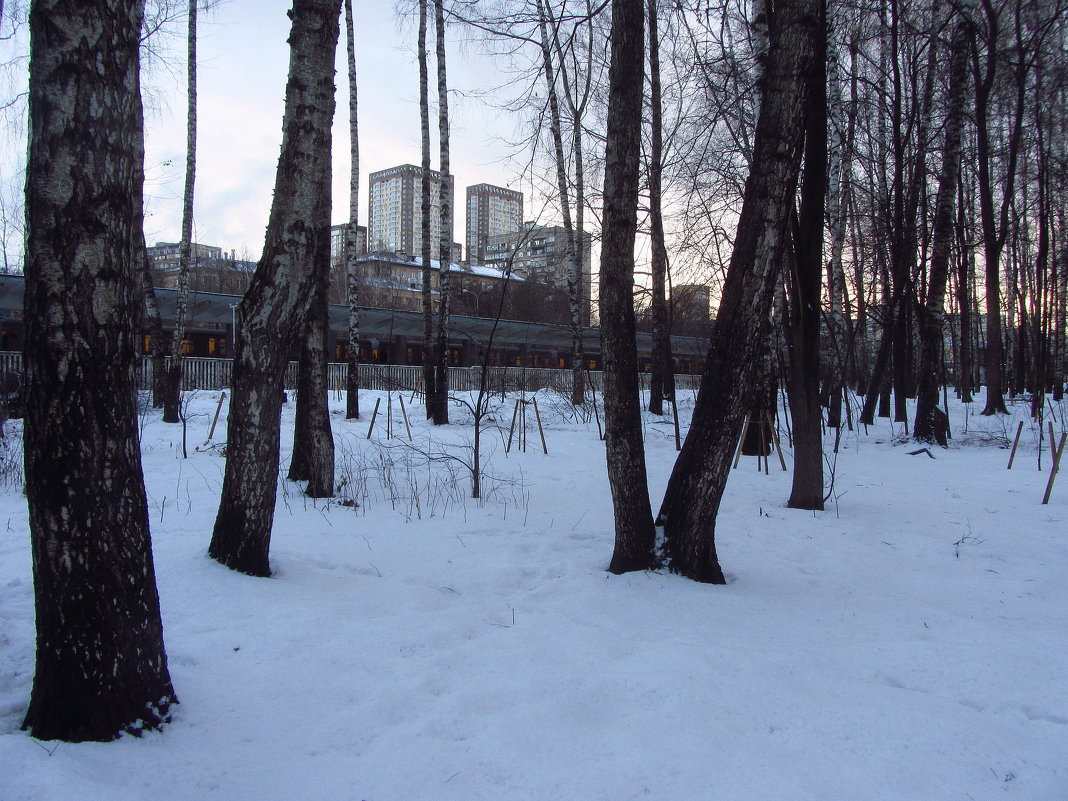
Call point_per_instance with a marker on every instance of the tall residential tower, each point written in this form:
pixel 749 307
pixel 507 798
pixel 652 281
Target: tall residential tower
pixel 395 219
pixel 491 211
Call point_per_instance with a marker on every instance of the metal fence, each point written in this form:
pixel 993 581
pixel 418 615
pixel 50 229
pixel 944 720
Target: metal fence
pixel 213 374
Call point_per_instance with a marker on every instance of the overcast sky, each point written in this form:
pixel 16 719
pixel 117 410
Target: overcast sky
pixel 243 60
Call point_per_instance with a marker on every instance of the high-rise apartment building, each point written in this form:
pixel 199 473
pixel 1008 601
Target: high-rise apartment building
pixel 395 218
pixel 491 211
pixel 538 253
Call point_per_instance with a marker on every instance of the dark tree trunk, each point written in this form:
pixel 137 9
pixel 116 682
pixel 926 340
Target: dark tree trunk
pixel 313 443
pixel 625 450
pixel 930 422
pixel 964 302
pixel 740 335
pixel 660 384
pixel 271 315
pixel 101 666
pixel 807 487
pixel 153 320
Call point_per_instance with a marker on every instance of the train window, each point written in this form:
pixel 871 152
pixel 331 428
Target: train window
pixel 591 364
pixel 213 345
pixel 408 356
pixel 187 347
pixel 374 354
pixel 561 362
pixel 147 343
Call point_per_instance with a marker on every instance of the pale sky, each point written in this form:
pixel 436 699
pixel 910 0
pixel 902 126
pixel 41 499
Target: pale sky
pixel 243 60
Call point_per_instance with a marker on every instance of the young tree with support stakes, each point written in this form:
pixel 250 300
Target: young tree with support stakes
pixel 101 668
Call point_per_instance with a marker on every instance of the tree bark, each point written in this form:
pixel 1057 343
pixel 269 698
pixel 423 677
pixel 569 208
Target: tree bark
pixel 740 334
pixel 271 315
pixel 312 459
pixel 635 535
pixel 101 667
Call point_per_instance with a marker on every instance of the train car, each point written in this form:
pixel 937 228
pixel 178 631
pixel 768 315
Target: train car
pixel 387 336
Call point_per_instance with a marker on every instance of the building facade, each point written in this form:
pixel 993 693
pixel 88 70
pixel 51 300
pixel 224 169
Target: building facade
pixel 491 211
pixel 395 218
pixel 338 234
pixel 538 253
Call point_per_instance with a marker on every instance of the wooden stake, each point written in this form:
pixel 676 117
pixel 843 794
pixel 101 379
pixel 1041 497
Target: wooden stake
pixel 675 415
pixel 1052 439
pixel 404 413
pixel 537 416
pixel 215 419
pixel 741 440
pixel 1015 443
pixel 374 414
pixel 389 416
pixel 765 450
pixel 1053 470
pixel 775 439
pixel 511 428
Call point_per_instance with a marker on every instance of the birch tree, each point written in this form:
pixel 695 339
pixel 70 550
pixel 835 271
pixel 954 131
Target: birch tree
pixel 352 275
pixel 271 314
pixel 101 668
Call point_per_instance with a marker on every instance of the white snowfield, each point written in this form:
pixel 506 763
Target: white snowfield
pixel 908 644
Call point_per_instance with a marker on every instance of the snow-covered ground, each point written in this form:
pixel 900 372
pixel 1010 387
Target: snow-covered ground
pixel 909 643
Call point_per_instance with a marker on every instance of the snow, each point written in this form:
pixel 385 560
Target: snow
pixel 908 643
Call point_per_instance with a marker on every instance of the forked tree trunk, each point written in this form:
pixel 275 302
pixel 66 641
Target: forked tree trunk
pixel 172 400
pixel 441 377
pixel 635 535
pixel 740 335
pixel 271 315
pixel 101 669
pixel 352 386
